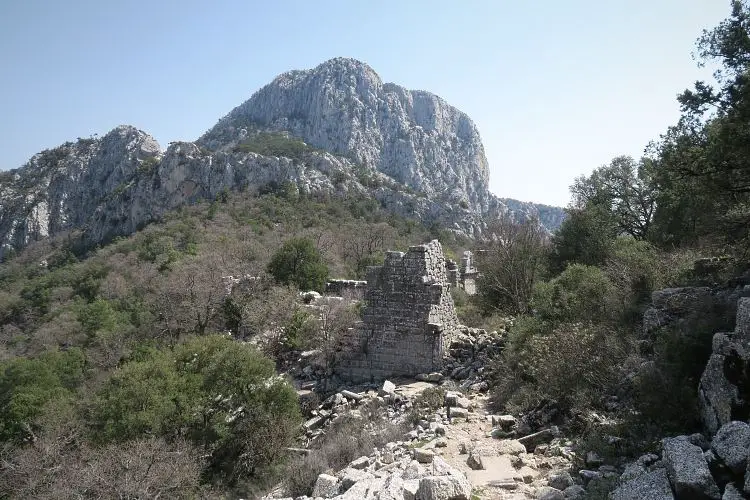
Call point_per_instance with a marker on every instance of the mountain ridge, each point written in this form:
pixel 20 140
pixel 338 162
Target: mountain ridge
pixel 334 130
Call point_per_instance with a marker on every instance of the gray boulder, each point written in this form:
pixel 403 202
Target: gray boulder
pixel 732 444
pixel 452 487
pixel 687 470
pixel 326 486
pixel 652 485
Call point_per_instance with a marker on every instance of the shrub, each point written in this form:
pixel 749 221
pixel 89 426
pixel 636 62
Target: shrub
pixel 27 386
pixel 221 394
pixel 580 293
pixel 570 363
pixel 298 262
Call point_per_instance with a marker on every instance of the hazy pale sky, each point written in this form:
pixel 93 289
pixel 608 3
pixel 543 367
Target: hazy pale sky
pixel 555 88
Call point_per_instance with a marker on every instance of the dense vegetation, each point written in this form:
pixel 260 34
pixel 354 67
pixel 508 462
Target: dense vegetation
pixel 134 347
pixel 634 226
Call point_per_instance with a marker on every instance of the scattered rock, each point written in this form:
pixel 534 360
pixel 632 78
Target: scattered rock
pixel 543 436
pixel 387 389
pixel 423 456
pixel 732 445
pixel 561 480
pixel 326 486
pixel 452 487
pixel 652 486
pixel 687 470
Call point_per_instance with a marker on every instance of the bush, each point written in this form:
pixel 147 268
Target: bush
pixel 28 386
pixel 580 293
pixel 298 262
pixel 570 363
pixel 221 394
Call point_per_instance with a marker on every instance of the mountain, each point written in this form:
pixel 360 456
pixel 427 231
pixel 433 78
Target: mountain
pixel 334 130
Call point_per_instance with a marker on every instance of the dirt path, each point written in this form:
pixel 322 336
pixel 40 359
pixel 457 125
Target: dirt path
pixel 509 472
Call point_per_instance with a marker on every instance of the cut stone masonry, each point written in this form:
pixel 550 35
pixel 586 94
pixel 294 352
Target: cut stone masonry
pixel 408 320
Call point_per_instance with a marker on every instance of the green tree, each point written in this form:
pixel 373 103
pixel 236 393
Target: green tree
pixel 704 161
pixel 625 189
pixel 27 386
pixel 223 395
pixel 299 262
pixel 586 236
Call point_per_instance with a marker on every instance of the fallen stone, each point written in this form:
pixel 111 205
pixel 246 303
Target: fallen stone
pixel 464 403
pixel 351 476
pixel 453 487
pixel 413 471
pixel 528 474
pixel 326 486
pixel 440 467
pixel 652 486
pixel 510 447
pixel 732 445
pixel 433 377
pixel 505 422
pixel 411 486
pixel 632 471
pixel 543 436
pixel 423 456
pixel 561 480
pixel 549 493
pixel 687 470
pixel 313 423
pixel 360 463
pixel 352 395
pixel 458 412
pixel 387 389
pixel 392 489
pixel 589 475
pixel 475 461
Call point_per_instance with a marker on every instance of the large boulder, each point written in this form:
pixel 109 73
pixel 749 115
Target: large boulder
pixel 688 470
pixel 732 445
pixel 724 391
pixel 326 486
pixel 652 485
pixel 451 487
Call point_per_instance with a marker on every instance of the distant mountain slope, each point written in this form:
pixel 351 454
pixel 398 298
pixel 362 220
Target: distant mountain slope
pixel 335 130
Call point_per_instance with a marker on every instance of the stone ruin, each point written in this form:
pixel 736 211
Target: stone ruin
pixel 354 289
pixel 408 320
pixel 464 277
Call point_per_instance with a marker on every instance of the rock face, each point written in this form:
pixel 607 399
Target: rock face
pixel 409 150
pixel 344 107
pixel 59 189
pixel 724 392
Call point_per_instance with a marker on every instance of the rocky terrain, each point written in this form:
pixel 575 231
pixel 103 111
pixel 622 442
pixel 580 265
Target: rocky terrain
pixel 408 150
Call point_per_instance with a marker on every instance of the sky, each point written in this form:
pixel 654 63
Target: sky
pixel 555 88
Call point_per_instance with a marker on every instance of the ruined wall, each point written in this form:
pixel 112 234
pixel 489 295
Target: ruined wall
pixel 351 288
pixel 408 318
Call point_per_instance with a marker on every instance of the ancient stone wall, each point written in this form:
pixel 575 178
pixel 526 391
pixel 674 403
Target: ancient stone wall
pixel 408 320
pixel 351 288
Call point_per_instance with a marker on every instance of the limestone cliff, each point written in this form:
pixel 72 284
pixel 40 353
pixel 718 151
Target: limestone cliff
pixel 342 106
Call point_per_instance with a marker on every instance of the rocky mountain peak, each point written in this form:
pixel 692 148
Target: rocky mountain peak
pixel 342 106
